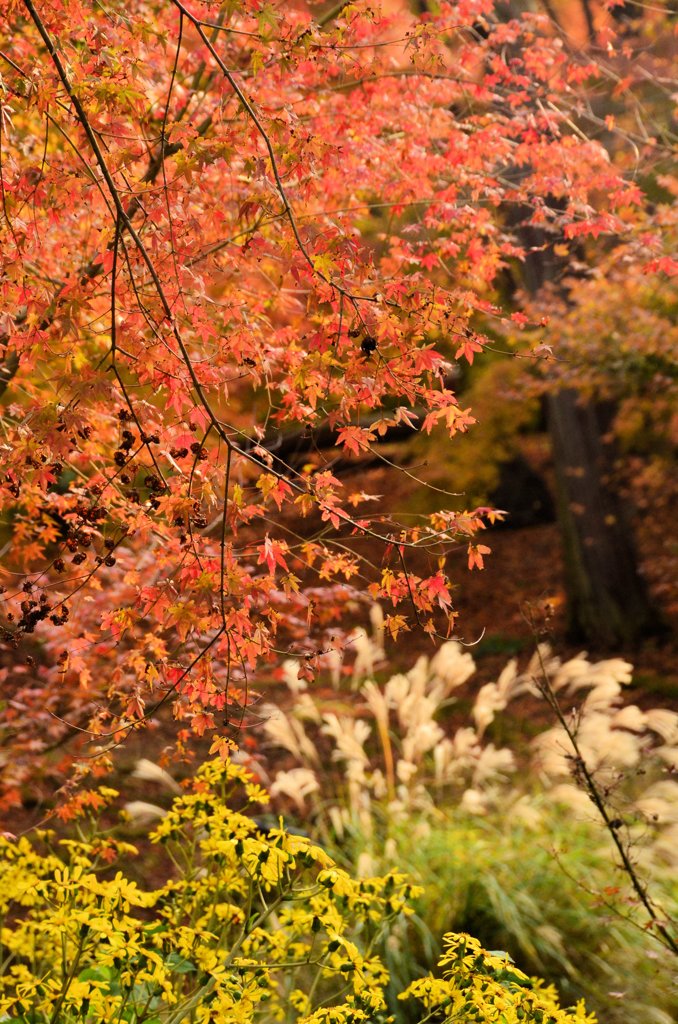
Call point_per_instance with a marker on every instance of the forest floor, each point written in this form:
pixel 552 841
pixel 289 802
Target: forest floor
pixel 520 594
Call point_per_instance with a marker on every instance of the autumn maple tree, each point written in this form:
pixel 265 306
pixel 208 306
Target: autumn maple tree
pixel 223 222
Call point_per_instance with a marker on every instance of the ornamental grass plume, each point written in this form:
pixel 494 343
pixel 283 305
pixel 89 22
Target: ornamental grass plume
pixel 504 837
pixel 390 744
pixel 296 785
pixel 149 771
pixel 393 749
pixel 287 731
pixel 142 814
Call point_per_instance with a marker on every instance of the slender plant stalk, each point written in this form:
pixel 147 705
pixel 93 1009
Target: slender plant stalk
pixel 587 779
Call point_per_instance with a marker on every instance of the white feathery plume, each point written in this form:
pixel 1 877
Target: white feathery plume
pixel 378 784
pixel 609 737
pixel 601 745
pixel 416 705
pixel 444 765
pixel 571 675
pixel 290 673
pixel 405 771
pixel 493 764
pixel 149 771
pixel 420 739
pixel 541 660
pixel 669 755
pixel 579 673
pixel 572 796
pixel 366 654
pixel 665 789
pixel 141 814
pixel 366 866
pixel 396 690
pixel 278 729
pixel 334 660
pixel 612 668
pixel 604 695
pixel 376 702
pixel 452 665
pixel 339 819
pixel 465 746
pixel 418 676
pixel 289 734
pixel 631 718
pixel 658 810
pixel 487 703
pixel 296 784
pixel 377 621
pixel 408 709
pixel 551 749
pixel 349 735
pixel 509 683
pixel 306 709
pixel 474 801
pixel 356 776
pixel 664 723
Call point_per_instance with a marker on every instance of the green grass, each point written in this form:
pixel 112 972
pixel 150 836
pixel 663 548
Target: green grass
pixel 499 643
pixel 528 891
pixel 650 683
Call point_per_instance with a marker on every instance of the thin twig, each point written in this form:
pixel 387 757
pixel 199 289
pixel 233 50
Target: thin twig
pixel 583 773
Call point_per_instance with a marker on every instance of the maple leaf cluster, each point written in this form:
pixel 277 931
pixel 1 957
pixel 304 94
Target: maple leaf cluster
pixel 222 222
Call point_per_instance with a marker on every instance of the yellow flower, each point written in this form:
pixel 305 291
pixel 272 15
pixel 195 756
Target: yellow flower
pixel 235 937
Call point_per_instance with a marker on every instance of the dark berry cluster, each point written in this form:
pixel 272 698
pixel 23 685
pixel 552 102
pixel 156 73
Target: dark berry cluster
pixel 33 611
pixel 199 452
pixel 198 517
pixel 13 487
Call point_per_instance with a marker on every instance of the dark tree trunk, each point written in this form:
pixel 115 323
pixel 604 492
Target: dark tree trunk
pixel 608 602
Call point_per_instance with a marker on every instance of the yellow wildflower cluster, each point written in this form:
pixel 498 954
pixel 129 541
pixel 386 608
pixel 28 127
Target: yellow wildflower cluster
pixel 249 927
pixel 487 988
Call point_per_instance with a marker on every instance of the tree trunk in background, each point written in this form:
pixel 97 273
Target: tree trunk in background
pixel 608 602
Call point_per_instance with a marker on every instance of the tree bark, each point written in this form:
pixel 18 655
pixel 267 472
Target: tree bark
pixel 608 604
pixel 608 601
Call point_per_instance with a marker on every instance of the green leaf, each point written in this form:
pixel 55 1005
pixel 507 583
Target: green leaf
pixel 179 964
pixel 96 974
